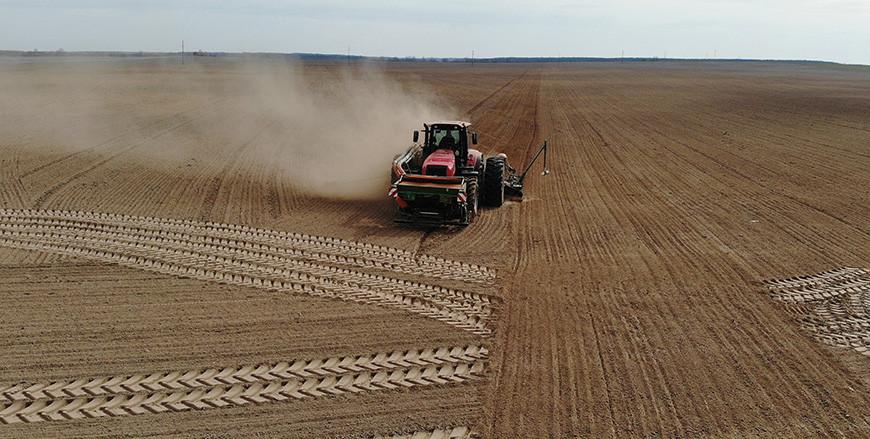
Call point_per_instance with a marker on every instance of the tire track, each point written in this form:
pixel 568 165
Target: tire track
pixel 185 263
pixel 233 259
pixel 825 278
pixel 237 261
pixel 332 250
pixel 833 305
pixel 443 433
pixel 235 249
pixel 234 386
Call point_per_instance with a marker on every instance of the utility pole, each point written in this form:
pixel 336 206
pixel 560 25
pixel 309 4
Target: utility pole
pixel 348 55
pixel 182 52
pixel 472 57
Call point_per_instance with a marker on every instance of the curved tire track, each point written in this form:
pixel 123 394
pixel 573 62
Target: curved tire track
pixel 243 256
pixel 237 257
pixel 333 250
pixel 188 264
pixel 834 305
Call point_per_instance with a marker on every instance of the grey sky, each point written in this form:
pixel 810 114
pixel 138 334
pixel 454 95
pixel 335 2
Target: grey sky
pixel 835 30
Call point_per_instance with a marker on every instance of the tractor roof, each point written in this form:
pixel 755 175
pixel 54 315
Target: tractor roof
pixel 450 122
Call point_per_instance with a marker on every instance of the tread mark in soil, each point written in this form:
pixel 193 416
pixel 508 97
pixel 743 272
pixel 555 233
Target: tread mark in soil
pixel 834 305
pixel 252 384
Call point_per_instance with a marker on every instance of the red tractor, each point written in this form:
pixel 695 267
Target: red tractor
pixel 443 181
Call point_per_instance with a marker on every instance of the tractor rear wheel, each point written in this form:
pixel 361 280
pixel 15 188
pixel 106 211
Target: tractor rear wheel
pixel 493 182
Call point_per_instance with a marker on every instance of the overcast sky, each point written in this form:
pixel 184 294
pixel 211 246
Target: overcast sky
pixel 833 30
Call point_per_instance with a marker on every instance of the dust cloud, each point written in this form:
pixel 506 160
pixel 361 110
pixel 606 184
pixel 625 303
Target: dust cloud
pixel 328 130
pixel 339 135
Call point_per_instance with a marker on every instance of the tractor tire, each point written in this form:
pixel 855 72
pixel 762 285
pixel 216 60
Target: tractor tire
pixel 472 198
pixel 493 182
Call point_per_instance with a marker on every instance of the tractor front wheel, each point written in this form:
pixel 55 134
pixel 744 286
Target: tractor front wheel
pixel 471 198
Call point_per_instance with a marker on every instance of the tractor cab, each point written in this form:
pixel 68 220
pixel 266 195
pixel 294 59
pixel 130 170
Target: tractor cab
pixel 445 150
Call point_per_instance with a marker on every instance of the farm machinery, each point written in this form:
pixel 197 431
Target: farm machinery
pixel 443 181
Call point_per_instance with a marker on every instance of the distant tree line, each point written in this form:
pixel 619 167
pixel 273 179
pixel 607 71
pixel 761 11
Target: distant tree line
pixel 338 57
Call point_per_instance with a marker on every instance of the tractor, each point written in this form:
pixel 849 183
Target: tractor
pixel 443 181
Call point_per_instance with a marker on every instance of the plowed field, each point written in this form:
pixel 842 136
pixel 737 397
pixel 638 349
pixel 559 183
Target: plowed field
pixel 695 265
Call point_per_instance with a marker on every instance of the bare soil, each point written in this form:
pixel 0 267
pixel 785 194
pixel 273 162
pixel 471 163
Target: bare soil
pixel 629 298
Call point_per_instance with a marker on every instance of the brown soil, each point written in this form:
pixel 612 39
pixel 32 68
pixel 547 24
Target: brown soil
pixel 630 301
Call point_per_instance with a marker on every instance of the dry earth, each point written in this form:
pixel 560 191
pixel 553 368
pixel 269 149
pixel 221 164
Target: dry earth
pixel 159 277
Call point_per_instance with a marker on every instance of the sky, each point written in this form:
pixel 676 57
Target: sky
pixel 829 30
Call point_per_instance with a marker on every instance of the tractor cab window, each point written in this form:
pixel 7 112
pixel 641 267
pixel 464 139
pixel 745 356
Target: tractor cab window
pixel 445 138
